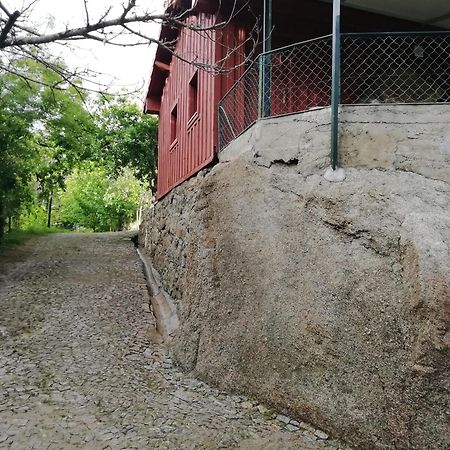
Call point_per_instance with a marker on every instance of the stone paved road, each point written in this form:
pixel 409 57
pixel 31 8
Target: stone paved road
pixel 78 368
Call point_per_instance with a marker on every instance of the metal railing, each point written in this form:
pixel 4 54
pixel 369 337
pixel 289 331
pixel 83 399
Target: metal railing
pixel 375 68
pixel 239 108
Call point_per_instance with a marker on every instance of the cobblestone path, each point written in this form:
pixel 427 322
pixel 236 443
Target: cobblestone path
pixel 78 368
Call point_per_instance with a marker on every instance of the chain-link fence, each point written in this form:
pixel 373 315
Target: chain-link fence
pixel 239 108
pixel 375 68
pixel 283 81
pixel 395 68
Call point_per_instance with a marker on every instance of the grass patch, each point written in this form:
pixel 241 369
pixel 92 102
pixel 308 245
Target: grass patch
pixel 41 229
pixel 17 237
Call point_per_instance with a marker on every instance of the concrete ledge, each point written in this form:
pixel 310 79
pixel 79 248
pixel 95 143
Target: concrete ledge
pixel 412 138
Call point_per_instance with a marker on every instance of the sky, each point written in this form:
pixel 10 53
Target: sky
pixel 122 68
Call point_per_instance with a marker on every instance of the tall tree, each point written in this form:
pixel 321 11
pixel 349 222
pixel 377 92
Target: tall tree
pixel 44 134
pixel 66 136
pixel 97 200
pixel 18 113
pixel 128 138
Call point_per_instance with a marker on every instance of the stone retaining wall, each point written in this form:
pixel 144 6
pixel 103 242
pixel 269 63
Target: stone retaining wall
pixel 328 300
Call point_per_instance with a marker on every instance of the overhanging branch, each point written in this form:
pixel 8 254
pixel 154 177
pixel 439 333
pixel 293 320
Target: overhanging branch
pixel 69 34
pixel 8 26
pixel 4 9
pixel 21 39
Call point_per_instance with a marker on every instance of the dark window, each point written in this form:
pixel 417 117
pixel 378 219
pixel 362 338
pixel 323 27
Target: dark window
pixel 173 123
pixel 193 95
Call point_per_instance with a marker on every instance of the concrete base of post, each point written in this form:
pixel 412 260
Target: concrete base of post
pixel 335 176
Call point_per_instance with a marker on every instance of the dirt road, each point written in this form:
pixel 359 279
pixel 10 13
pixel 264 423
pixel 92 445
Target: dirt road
pixel 78 370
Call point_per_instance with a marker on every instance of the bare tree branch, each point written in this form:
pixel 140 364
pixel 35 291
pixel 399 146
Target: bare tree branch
pixel 86 10
pixel 3 8
pixel 128 8
pixel 8 26
pixel 105 14
pixel 19 37
pixel 29 7
pixel 69 34
pixel 104 25
pixel 26 29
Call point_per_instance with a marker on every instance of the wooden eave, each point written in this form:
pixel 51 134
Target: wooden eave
pixel 163 58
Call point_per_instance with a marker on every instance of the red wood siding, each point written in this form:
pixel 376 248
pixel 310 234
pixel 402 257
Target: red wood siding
pixel 196 136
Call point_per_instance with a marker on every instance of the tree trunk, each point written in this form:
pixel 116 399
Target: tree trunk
pixel 2 227
pixel 49 210
pixel 139 210
pixel 2 220
pixel 9 224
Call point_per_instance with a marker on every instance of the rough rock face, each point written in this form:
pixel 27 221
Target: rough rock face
pixel 330 300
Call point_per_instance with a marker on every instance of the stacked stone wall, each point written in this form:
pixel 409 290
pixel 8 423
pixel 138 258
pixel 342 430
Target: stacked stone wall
pixel 328 300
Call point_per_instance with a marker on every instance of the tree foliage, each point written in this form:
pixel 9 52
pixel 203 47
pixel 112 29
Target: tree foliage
pixel 127 138
pixel 96 200
pixel 64 135
pixel 46 136
pixel 18 113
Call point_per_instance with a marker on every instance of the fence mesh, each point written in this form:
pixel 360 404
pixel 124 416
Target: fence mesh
pixel 300 77
pixel 375 68
pixel 239 108
pixel 395 68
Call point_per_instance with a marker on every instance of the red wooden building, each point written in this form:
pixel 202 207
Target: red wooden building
pixel 185 92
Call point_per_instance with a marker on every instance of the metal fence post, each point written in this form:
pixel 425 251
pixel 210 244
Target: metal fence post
pixel 267 60
pixel 336 83
pixel 260 86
